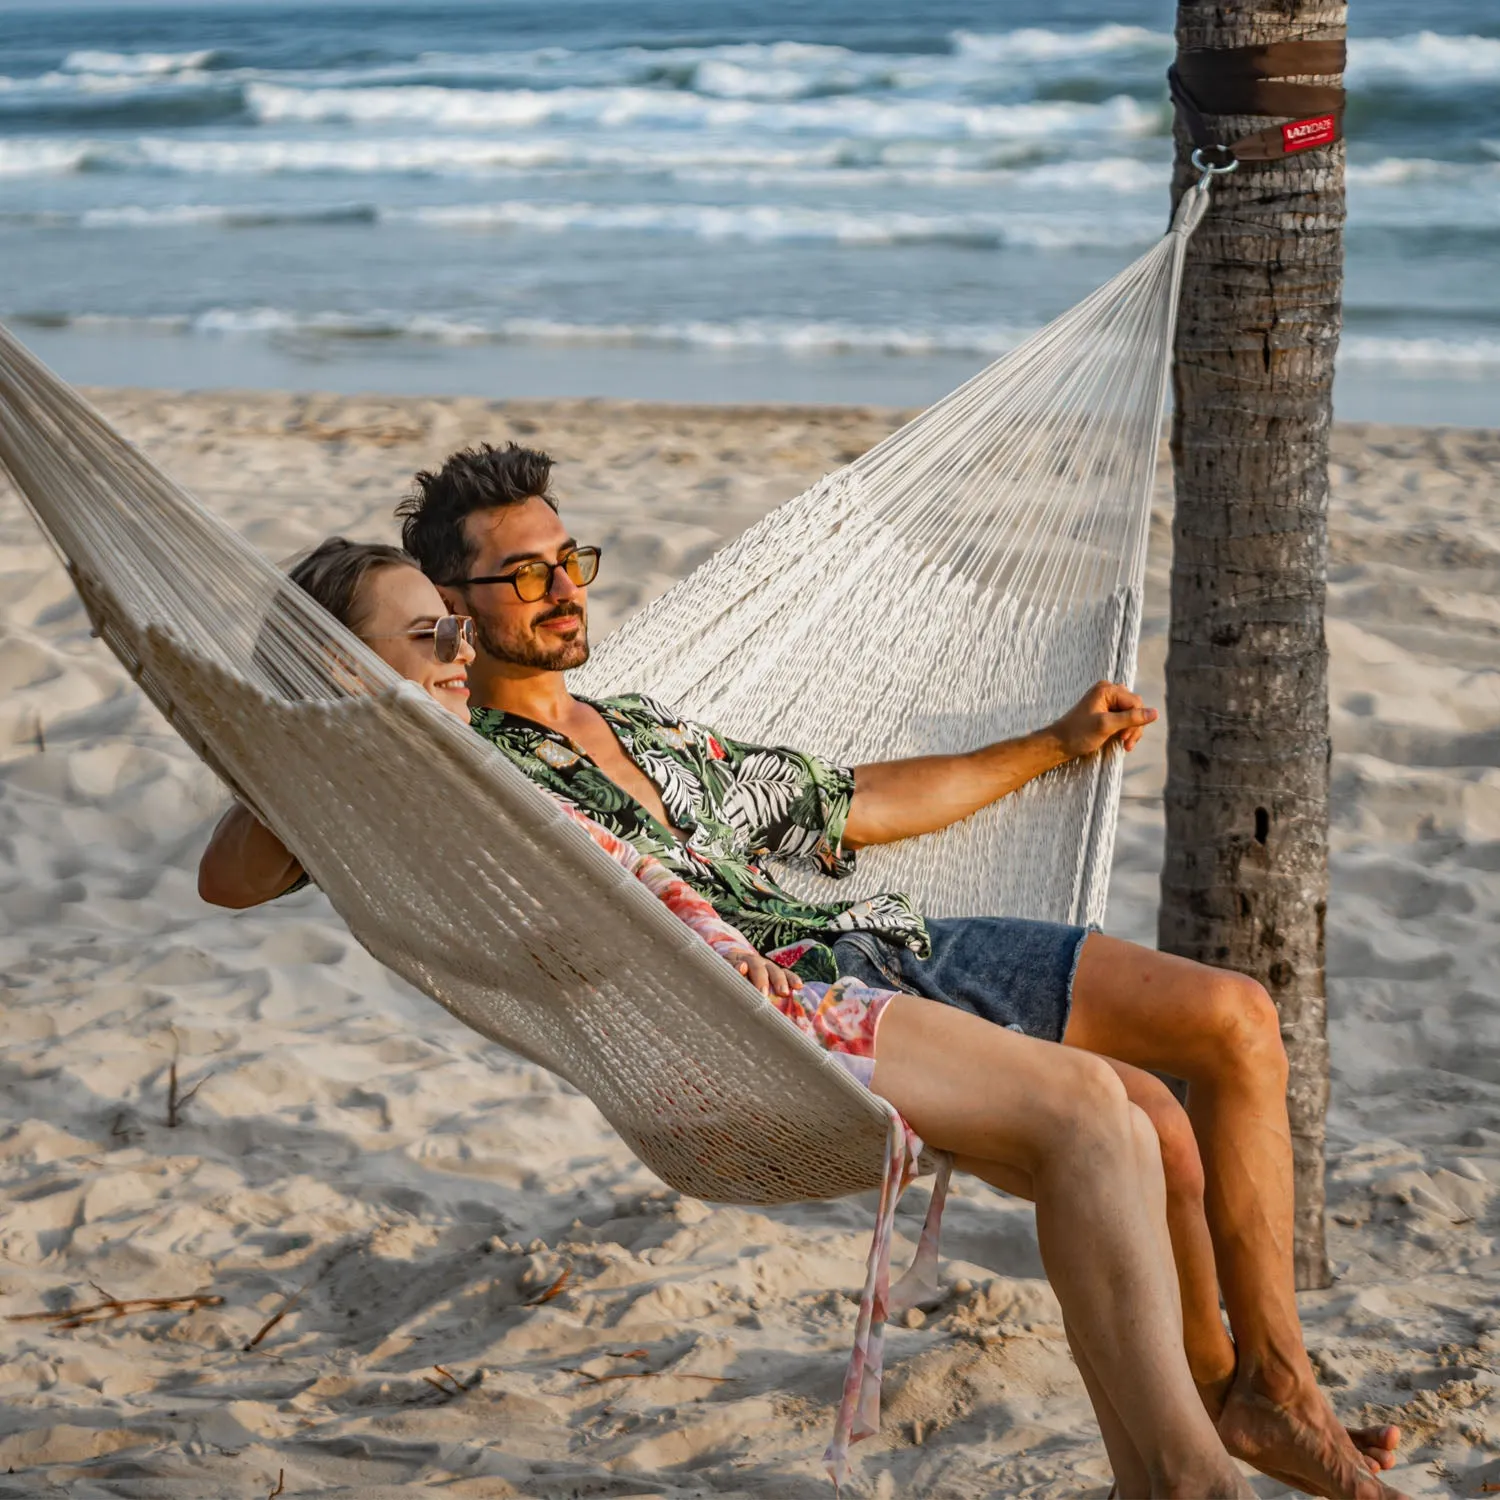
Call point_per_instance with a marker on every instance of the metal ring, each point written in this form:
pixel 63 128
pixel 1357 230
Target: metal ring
pixel 1210 170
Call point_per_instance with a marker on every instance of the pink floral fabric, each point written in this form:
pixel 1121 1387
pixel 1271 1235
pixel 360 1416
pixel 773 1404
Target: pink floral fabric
pixel 677 895
pixel 843 1019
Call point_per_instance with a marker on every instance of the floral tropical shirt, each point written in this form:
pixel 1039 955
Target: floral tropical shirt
pixel 737 806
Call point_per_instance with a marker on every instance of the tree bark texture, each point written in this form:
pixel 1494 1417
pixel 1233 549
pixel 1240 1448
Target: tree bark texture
pixel 1245 883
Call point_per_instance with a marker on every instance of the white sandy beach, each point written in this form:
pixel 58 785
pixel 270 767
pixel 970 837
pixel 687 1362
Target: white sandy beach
pixel 483 1293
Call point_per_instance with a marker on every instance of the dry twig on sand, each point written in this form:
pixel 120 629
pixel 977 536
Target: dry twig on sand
pixel 176 1102
pixel 552 1291
pixel 116 1307
pixel 287 1304
pixel 455 1386
pixel 280 1484
pixel 293 1298
pixel 646 1375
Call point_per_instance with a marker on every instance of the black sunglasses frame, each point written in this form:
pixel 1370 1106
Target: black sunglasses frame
pixel 551 568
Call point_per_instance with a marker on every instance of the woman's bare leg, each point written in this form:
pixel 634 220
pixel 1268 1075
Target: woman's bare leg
pixel 1209 1349
pixel 1132 1481
pixel 1062 1118
pixel 1132 1478
pixel 1211 1354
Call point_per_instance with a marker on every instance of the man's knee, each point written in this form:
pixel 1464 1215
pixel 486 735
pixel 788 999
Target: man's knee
pixel 1242 1021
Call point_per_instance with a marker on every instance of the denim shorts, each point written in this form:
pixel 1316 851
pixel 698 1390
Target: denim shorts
pixel 1014 972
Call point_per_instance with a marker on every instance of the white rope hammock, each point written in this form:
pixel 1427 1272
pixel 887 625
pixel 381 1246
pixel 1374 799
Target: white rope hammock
pixel 964 580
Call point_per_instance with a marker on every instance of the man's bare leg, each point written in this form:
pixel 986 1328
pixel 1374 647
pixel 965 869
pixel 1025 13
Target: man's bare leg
pixel 1218 1031
pixel 1210 1350
pixel 1094 1166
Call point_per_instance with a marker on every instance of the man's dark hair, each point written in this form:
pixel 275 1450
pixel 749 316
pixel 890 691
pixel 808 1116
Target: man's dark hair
pixel 335 570
pixel 473 479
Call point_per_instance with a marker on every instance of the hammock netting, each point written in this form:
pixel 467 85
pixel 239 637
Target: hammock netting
pixel 963 581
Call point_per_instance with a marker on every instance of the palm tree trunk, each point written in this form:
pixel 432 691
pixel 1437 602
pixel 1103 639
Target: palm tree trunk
pixel 1245 883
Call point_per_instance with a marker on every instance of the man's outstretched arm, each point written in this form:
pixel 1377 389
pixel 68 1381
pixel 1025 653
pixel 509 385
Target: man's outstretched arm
pixel 245 863
pixel 898 799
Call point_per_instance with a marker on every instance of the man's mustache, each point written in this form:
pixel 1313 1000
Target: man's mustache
pixel 562 612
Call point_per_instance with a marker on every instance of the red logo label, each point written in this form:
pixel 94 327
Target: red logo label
pixel 1302 134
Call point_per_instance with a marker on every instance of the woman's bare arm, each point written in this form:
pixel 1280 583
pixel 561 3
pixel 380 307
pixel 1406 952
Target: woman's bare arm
pixel 245 863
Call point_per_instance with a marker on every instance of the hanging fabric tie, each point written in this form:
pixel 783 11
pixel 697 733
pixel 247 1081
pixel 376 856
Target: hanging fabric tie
pixel 1255 81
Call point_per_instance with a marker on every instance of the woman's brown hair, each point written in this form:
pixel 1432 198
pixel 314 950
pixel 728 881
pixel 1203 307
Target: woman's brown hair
pixel 332 575
pixel 335 571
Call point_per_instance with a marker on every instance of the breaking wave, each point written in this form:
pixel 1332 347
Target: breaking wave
pixel 139 64
pixel 767 223
pixel 1425 60
pixel 792 338
pixel 617 108
pixel 1477 355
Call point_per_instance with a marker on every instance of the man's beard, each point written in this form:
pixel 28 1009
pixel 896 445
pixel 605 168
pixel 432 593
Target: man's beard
pixel 530 650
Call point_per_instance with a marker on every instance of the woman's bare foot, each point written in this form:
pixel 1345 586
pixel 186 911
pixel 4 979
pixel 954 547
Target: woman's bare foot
pixel 1224 1483
pixel 1299 1441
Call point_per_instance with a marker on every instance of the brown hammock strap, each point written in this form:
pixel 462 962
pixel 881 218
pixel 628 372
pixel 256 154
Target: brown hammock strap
pixel 1216 81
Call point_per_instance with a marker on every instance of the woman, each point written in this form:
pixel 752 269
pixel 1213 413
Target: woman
pixel 1048 1123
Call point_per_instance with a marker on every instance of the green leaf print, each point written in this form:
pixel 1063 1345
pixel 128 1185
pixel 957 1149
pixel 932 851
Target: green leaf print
pixel 737 801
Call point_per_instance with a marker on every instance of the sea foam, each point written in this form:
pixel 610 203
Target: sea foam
pixel 618 108
pixel 1424 60
pixel 1034 44
pixel 151 64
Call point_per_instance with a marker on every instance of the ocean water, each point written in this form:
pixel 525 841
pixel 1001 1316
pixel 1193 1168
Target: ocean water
pixel 753 199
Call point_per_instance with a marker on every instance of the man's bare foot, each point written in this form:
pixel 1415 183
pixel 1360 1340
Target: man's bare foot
pixel 1377 1444
pixel 1300 1443
pixel 1214 1393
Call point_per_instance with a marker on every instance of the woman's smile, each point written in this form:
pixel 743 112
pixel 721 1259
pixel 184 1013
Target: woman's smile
pixel 399 610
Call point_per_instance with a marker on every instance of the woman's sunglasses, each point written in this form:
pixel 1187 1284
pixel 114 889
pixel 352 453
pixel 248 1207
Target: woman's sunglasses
pixel 532 580
pixel 445 635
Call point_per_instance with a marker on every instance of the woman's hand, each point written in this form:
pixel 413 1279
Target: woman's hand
pixel 768 978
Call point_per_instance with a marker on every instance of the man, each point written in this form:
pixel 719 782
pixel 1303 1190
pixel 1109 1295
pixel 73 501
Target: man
pixel 486 531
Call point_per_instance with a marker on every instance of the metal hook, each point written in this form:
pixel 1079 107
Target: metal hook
pixel 1209 170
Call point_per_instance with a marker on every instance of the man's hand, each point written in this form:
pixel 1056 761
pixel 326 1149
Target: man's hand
pixel 768 978
pixel 1106 712
pixel 899 799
